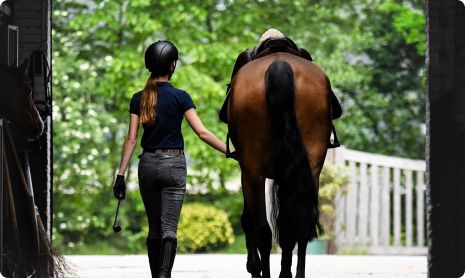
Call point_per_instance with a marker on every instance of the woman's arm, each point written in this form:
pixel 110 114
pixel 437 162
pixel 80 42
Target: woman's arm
pixel 129 143
pixel 203 133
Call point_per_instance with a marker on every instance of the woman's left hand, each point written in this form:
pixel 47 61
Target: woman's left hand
pixel 119 189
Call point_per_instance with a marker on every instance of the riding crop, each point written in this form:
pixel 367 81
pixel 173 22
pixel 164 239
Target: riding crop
pixel 117 228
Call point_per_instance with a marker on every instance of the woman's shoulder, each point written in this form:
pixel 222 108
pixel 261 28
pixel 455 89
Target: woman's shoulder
pixel 178 89
pixel 135 99
pixel 185 99
pixel 136 96
pixel 180 92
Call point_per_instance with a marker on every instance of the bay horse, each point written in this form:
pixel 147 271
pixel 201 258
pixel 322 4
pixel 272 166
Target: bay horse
pixel 279 119
pixel 16 102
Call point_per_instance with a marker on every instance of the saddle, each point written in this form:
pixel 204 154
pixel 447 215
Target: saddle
pixel 273 45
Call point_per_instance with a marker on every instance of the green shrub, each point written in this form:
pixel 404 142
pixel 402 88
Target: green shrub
pixel 333 179
pixel 230 202
pixel 203 228
pixel 233 204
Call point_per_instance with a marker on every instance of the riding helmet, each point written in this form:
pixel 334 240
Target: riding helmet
pixel 159 57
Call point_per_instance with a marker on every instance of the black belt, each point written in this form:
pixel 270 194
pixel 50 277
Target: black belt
pixel 172 152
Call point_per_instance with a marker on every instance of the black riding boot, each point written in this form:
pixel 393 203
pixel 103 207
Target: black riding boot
pixel 154 251
pixel 168 252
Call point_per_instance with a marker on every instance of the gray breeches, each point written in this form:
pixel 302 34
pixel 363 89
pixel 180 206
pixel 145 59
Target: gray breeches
pixel 162 183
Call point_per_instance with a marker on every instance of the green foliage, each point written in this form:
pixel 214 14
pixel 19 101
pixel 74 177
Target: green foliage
pixel 203 228
pixel 333 179
pixel 238 247
pixel 409 22
pixel 85 232
pixel 230 202
pixel 382 80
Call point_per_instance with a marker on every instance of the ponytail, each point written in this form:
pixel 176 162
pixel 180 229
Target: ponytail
pixel 148 102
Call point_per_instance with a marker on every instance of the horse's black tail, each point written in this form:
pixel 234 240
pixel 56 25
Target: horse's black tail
pixel 294 198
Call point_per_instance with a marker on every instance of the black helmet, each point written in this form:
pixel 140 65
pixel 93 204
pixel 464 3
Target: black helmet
pixel 159 56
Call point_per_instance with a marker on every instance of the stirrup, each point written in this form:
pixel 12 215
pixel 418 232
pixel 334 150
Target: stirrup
pixel 335 142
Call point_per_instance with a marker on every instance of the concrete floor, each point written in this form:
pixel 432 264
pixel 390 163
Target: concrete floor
pixel 233 266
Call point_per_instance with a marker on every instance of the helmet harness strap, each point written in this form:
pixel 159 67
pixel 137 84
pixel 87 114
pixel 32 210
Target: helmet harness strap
pixel 172 71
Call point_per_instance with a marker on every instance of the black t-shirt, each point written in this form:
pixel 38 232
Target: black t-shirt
pixel 166 132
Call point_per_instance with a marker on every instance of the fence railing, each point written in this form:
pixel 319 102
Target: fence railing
pixel 382 211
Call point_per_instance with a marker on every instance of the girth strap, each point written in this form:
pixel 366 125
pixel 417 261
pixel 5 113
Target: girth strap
pixel 229 154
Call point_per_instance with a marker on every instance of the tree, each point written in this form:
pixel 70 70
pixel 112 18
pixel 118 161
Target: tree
pixel 382 89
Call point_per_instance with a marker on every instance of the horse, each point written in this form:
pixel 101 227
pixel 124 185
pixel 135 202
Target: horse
pixel 16 102
pixel 26 249
pixel 279 119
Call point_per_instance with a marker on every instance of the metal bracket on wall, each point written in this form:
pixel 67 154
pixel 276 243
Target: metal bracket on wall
pixel 9 50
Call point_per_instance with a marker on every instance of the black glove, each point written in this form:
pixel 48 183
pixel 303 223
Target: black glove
pixel 119 189
pixel 232 155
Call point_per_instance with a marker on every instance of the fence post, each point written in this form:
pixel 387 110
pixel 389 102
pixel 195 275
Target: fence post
pixel 374 211
pixel 420 210
pixel 408 210
pixel 385 218
pixel 336 157
pixel 351 208
pixel 363 205
pixel 397 215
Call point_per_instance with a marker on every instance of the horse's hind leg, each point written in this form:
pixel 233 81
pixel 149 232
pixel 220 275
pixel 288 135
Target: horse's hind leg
pixel 264 236
pixel 264 246
pixel 248 222
pixel 286 258
pixel 253 260
pixel 302 252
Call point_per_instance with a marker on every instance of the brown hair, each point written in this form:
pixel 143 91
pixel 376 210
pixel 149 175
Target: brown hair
pixel 148 102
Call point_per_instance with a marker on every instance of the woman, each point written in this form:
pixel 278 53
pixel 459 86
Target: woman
pixel 160 108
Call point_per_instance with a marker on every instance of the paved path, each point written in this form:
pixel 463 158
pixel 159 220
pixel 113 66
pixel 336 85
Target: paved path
pixel 233 266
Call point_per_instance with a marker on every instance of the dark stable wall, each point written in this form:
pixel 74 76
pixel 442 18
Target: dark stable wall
pixel 33 19
pixel 445 151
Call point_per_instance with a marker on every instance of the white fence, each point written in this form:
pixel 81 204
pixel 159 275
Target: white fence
pixel 382 211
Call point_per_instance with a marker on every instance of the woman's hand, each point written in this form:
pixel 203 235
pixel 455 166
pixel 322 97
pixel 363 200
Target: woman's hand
pixel 119 189
pixel 232 155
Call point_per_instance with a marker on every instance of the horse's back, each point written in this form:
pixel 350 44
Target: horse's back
pixel 248 112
